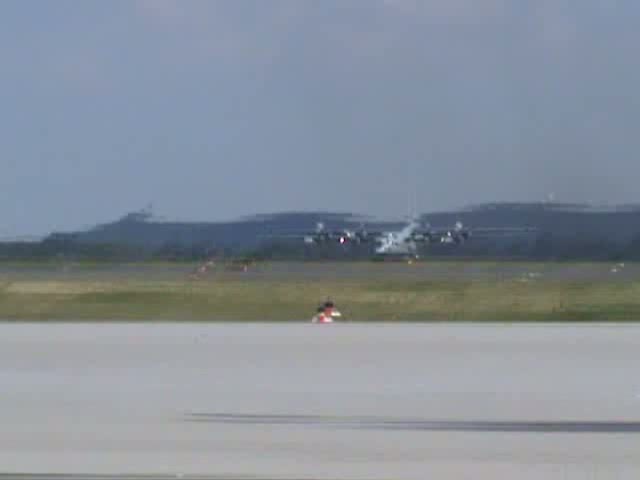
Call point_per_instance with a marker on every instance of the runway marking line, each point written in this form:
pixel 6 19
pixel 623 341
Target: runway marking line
pixel 386 423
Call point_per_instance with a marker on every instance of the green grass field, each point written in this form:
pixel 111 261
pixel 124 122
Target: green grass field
pixel 367 297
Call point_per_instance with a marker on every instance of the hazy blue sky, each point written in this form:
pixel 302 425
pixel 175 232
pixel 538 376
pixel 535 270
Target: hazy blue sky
pixel 216 109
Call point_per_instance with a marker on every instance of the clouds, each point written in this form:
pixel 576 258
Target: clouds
pixel 466 11
pixel 231 32
pixel 165 11
pixel 360 30
pixel 351 35
pixel 213 109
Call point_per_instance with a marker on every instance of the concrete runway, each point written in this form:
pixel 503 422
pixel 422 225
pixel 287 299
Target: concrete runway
pixel 320 401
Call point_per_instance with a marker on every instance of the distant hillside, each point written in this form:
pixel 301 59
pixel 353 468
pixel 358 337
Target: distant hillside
pixel 612 224
pixel 563 230
pixel 141 229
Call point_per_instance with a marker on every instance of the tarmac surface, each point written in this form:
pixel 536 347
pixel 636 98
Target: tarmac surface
pixel 341 401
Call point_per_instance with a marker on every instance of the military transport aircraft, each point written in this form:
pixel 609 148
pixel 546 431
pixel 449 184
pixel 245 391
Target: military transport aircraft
pixel 405 242
pixel 402 242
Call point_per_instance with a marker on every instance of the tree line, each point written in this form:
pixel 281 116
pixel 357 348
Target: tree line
pixel 544 246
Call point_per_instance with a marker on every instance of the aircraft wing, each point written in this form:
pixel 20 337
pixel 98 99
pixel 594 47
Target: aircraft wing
pixel 459 233
pixel 319 235
pixel 490 231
